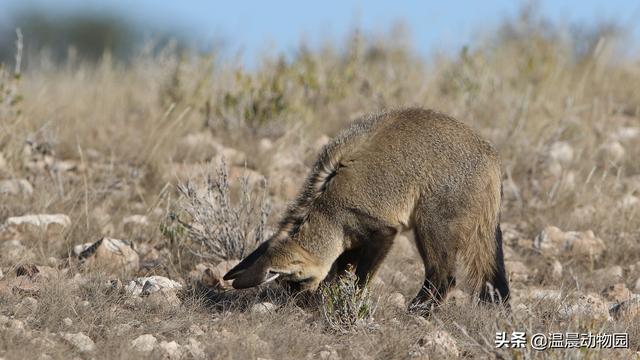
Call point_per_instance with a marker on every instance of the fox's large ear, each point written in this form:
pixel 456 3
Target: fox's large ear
pixel 253 270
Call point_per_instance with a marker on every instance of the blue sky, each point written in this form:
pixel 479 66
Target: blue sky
pixel 252 27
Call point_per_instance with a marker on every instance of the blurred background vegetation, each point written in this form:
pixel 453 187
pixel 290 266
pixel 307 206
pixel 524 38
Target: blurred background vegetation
pixel 88 35
pixel 84 36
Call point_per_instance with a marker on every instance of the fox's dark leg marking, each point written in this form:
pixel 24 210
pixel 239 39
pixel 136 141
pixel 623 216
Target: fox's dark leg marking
pixel 374 251
pixel 498 291
pixel 348 260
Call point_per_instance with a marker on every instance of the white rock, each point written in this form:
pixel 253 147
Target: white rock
pixel 164 297
pixel 611 273
pixel 78 249
pixel 203 146
pixel 634 267
pixel 320 142
pixel 16 187
pixel 238 174
pixel 376 282
pixel 79 279
pixel 591 305
pixel 195 349
pixel 53 262
pixel 263 308
pixel 144 343
pixel 615 151
pixel 399 278
pixel 398 301
pixel 327 352
pixel 196 330
pixel 544 294
pixel 3 162
pixel 404 245
pixel 437 345
pixel 135 220
pixel 64 166
pixel 555 242
pixel 122 329
pixel 584 214
pixel 67 322
pixel 232 156
pixel 628 202
pixel 555 168
pixel 617 292
pixel 458 297
pixel 511 234
pixel 15 326
pixel 556 269
pixel 150 284
pixel 171 350
pixel 197 147
pixel 561 152
pixel 80 341
pixel 14 249
pixel 110 254
pixel 265 145
pixel 40 220
pixel 626 133
pixel 29 302
pixel 517 270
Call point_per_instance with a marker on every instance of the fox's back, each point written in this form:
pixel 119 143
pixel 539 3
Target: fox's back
pixel 393 158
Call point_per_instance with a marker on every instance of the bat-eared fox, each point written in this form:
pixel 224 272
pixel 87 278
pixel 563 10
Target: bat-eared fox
pixel 409 169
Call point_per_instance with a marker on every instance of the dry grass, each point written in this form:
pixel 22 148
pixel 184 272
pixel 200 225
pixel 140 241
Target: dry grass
pixel 346 306
pixel 101 142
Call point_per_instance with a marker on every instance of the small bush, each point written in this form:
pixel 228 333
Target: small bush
pixel 218 228
pixel 346 306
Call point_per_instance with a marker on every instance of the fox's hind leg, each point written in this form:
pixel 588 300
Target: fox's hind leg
pixel 437 246
pixel 496 285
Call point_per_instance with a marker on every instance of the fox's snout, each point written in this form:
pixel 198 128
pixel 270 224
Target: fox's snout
pixel 252 271
pixel 275 259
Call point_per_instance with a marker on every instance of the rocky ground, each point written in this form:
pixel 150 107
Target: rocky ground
pixel 126 192
pixel 124 293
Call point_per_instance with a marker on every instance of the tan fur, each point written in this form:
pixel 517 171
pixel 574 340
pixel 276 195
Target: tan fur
pixel 405 169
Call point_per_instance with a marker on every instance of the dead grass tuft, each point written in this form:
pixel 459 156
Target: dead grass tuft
pixel 346 306
pixel 217 228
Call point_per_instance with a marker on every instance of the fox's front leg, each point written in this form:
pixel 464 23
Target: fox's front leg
pixel 348 261
pixel 372 253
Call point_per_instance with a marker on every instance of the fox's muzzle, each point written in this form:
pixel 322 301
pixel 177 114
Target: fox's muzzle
pixel 252 271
